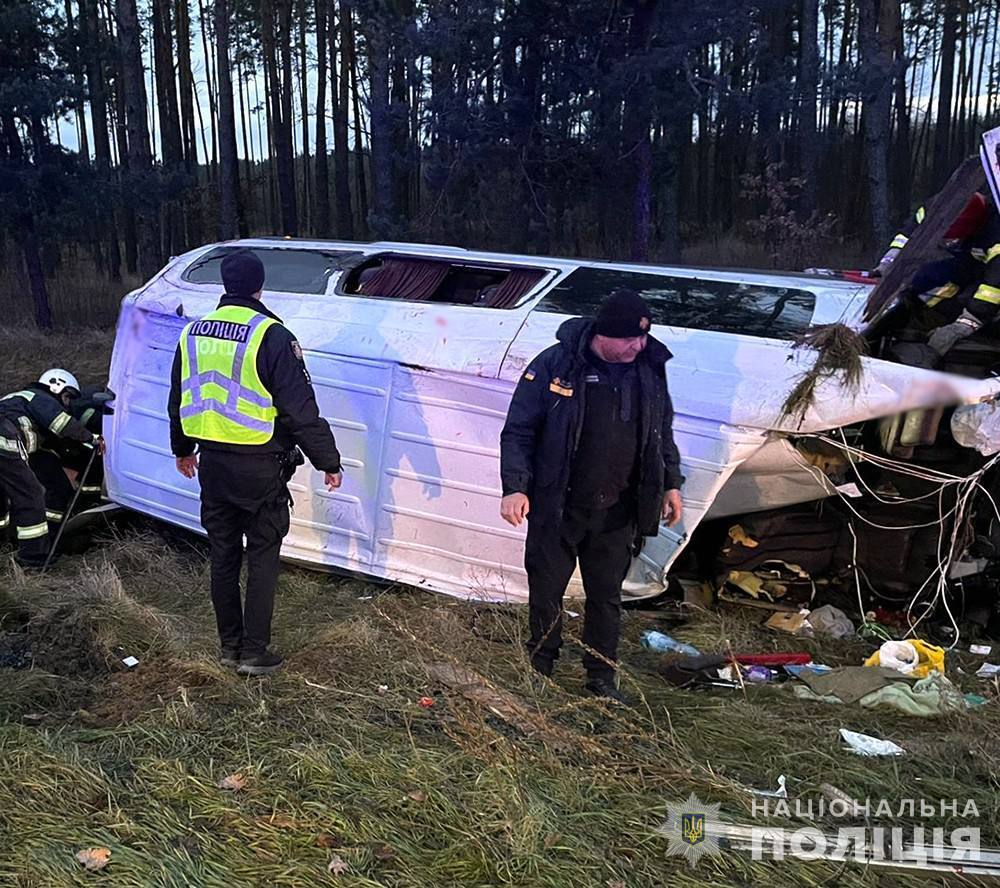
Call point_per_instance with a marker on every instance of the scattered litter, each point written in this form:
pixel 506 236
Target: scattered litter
pixel 661 643
pixel 832 794
pixel 758 674
pixel 792 623
pixel 863 744
pixel 233 783
pixel 739 536
pixel 94 858
pixel 337 865
pixel 382 690
pixel 850 489
pixel 417 795
pixel 930 657
pixel 974 700
pixel 426 702
pixel 780 793
pixel 572 615
pixel 983 650
pixel 33 718
pixel 130 661
pixel 988 670
pixel 365 597
pixel 793 659
pixel 832 621
pixel 796 669
pixel 899 655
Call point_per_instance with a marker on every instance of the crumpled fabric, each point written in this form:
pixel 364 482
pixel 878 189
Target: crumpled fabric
pixel 832 621
pixel 849 684
pixel 931 658
pixel 931 696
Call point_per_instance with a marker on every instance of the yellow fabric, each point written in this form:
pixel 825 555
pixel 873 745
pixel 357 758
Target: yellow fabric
pixel 214 355
pixel 931 658
pixel 939 294
pixel 986 293
pixel 992 253
pixel 921 215
pixel 898 242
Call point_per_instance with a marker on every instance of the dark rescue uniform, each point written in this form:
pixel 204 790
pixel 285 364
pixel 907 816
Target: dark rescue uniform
pixel 591 445
pixel 244 488
pixel 33 422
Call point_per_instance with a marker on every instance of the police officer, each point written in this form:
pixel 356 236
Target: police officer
pixel 27 419
pixel 587 455
pixel 241 395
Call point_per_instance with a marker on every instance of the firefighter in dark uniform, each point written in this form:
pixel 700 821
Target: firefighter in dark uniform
pixel 240 394
pixel 587 455
pixel 31 420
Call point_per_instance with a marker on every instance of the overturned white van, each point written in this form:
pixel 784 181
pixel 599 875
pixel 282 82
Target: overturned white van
pixel 414 352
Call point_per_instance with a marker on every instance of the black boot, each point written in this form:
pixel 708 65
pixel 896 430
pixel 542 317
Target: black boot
pixel 260 664
pixel 604 687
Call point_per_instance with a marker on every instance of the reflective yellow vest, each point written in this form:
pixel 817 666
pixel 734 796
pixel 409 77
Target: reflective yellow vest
pixel 222 397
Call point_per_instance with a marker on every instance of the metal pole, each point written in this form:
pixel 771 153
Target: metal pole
pixel 69 511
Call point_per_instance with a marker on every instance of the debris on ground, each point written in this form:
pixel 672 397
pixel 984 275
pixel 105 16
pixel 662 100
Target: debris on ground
pixel 94 858
pixel 929 657
pixel 863 744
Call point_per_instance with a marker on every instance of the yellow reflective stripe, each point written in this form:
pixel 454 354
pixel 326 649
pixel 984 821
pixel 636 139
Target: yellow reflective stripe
pixel 33 532
pixel 85 416
pixel 941 293
pixel 4 521
pixel 992 253
pixel 920 216
pixel 25 394
pixel 986 293
pixel 11 445
pixel 59 423
pixel 53 516
pixel 89 489
pixel 898 242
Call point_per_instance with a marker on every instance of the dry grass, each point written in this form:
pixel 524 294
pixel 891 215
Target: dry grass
pixel 461 793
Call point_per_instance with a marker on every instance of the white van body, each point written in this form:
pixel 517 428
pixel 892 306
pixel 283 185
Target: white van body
pixel 416 393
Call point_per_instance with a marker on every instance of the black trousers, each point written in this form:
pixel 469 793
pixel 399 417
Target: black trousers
pixel 48 469
pixel 244 495
pixel 601 540
pixel 25 506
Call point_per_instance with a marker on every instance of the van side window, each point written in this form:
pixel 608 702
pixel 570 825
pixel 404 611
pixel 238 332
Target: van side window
pixel 286 270
pixel 695 303
pixel 429 279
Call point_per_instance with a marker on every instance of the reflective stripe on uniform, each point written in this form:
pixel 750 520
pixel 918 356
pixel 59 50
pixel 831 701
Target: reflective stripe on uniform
pixel 53 516
pixel 90 489
pixel 33 532
pixel 939 294
pixel 898 242
pixel 222 396
pixel 921 214
pixel 87 414
pixel 986 293
pixel 992 253
pixel 11 445
pixel 25 394
pixel 28 431
pixel 59 423
pixel 4 521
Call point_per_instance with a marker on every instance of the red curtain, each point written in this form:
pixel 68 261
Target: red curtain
pixel 514 286
pixel 413 279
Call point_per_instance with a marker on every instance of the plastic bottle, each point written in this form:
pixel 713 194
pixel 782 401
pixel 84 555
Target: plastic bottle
pixel 657 641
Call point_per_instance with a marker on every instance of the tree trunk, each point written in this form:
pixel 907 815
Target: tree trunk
pixel 139 156
pixel 276 22
pixel 321 210
pixel 902 165
pixel 876 72
pixel 189 138
pixel 210 85
pixel 383 212
pixel 808 85
pixel 229 182
pixel 359 144
pixel 340 95
pixel 942 128
pixel 636 125
pixel 306 202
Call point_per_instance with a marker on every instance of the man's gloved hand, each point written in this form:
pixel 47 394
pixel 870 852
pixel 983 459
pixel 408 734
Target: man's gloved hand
pixel 99 444
pixel 943 339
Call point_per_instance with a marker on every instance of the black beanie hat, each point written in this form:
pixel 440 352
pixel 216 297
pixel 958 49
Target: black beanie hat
pixel 242 273
pixel 623 315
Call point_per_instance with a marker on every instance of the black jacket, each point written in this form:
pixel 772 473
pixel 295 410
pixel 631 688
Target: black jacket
pixel 284 375
pixel 49 418
pixel 545 418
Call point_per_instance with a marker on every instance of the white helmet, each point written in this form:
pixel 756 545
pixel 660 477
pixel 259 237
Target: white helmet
pixel 57 381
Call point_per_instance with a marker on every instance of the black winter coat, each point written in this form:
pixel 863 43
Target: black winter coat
pixel 545 420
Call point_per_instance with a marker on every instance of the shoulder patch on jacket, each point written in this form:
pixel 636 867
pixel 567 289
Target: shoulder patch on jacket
pixel 561 388
pixel 529 375
pixel 297 350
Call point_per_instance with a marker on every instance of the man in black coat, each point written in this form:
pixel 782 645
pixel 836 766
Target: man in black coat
pixel 587 455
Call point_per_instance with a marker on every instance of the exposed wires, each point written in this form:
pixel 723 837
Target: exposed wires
pixel 965 490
